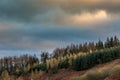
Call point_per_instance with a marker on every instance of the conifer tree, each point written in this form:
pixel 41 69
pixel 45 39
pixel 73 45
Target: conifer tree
pixel 116 41
pixel 44 56
pixel 107 43
pixel 91 46
pixel 85 47
pixel 111 42
pixel 99 45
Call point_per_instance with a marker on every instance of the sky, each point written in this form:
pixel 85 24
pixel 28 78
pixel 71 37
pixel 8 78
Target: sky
pixel 32 26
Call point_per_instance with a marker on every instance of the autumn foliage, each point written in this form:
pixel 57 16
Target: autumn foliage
pixel 75 57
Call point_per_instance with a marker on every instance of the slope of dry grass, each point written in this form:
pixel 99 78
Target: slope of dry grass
pixel 71 74
pixel 101 73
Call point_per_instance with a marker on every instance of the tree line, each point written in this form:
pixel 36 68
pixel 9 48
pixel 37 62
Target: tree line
pixel 77 57
pixel 85 47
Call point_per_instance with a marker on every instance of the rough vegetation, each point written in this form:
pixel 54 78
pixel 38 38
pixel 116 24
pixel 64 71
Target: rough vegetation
pixel 108 72
pixel 74 57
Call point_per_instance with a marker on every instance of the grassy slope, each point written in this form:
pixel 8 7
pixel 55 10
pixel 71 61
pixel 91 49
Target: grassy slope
pixel 70 74
pixel 101 73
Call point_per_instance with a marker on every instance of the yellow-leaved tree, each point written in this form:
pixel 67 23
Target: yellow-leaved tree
pixel 5 75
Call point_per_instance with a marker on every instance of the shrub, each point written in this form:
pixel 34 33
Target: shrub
pixel 41 67
pixel 54 70
pixel 63 64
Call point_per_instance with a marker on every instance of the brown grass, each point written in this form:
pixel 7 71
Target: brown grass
pixel 67 74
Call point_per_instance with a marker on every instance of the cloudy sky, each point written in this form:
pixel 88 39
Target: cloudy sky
pixel 43 25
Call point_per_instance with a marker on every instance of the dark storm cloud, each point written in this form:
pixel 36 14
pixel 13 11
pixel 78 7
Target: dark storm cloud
pixel 28 10
pixel 47 37
pixel 20 10
pixel 39 34
pixel 38 23
pixel 42 37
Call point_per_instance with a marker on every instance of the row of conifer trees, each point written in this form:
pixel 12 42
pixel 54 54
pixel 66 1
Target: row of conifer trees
pixel 85 47
pixel 77 57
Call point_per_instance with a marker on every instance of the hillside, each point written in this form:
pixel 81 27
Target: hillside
pixel 76 63
pixel 68 74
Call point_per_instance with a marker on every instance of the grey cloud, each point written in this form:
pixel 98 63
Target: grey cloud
pixel 51 37
pixel 41 11
pixel 20 10
pixel 42 35
pixel 39 37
